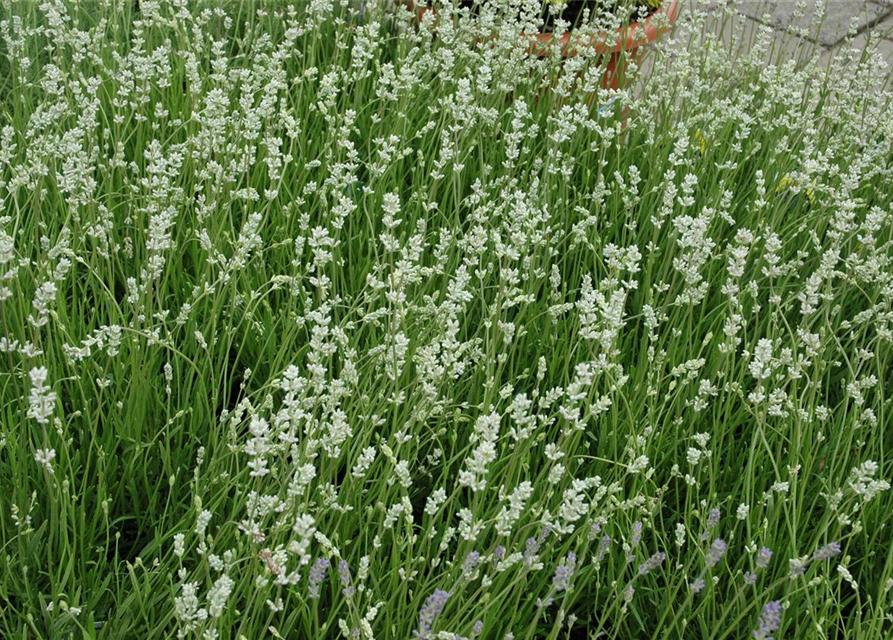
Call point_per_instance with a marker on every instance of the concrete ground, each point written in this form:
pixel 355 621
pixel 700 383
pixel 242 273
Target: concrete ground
pixel 842 19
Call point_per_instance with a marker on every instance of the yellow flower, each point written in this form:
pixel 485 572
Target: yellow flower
pixel 785 182
pixel 700 140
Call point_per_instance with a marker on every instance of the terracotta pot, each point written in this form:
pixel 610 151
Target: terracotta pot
pixel 629 40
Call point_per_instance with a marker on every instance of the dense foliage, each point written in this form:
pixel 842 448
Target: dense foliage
pixel 315 322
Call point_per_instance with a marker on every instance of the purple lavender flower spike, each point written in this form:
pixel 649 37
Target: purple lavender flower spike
pixel 797 567
pixel 316 577
pixel 471 561
pixel 430 610
pixel 769 621
pixel 712 520
pixel 628 593
pixel 827 552
pixel 763 557
pixel 634 540
pixel 561 581
pixel 716 552
pixel 594 529
pixel 652 563
pixel 344 573
pixel 637 534
pixel 603 546
pixel 530 550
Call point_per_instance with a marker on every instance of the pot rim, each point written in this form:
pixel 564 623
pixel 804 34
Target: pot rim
pixel 628 37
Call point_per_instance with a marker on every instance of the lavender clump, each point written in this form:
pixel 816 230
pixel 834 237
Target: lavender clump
pixel 769 621
pixel 457 315
pixel 316 577
pixel 430 610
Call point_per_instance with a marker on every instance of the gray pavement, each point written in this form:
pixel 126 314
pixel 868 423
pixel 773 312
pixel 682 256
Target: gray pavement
pixel 843 22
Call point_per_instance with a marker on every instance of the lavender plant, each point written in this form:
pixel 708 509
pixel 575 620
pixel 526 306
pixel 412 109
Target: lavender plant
pixel 316 322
